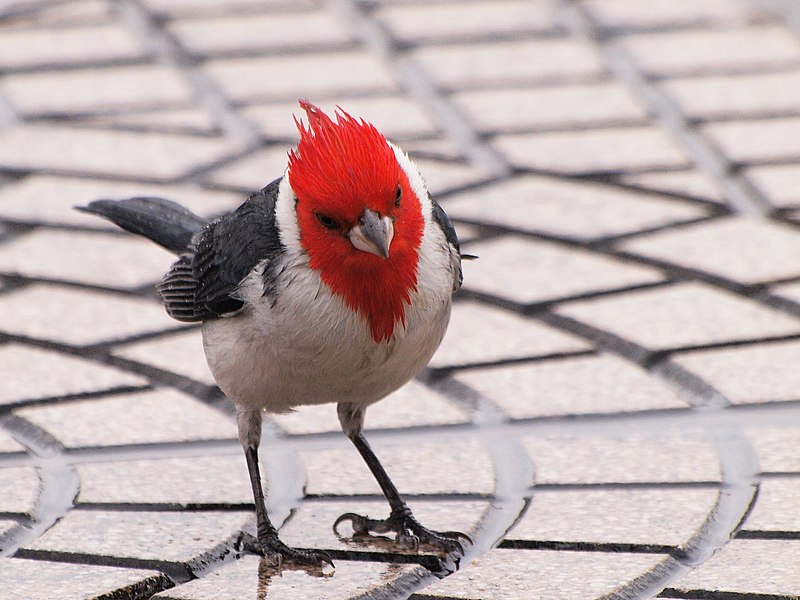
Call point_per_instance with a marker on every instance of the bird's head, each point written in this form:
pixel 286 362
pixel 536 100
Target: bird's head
pixel 359 217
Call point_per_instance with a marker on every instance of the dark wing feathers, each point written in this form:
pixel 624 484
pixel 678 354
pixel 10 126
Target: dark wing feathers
pixel 203 284
pixel 446 224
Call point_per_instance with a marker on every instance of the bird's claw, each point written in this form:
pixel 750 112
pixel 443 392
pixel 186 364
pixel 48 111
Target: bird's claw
pixel 408 531
pixel 278 553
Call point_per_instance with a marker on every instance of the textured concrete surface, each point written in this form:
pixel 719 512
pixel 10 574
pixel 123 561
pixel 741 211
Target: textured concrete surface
pixel 615 412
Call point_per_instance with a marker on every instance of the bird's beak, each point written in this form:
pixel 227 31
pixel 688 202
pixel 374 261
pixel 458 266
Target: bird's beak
pixel 373 234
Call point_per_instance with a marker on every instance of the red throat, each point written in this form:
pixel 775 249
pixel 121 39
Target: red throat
pixel 340 169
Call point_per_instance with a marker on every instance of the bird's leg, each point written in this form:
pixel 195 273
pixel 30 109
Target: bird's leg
pixel 408 531
pixel 267 542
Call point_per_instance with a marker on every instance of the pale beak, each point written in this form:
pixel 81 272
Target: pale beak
pixel 373 234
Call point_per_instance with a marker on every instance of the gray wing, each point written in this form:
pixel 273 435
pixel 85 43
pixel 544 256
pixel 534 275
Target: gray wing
pixel 441 219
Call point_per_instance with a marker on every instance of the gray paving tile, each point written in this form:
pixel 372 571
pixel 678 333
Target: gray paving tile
pixel 634 458
pixel 571 386
pixel 170 536
pixel 753 47
pixel 480 333
pixel 776 508
pixel 776 447
pixel 441 176
pixel 634 516
pixel 779 183
pixel 250 578
pixel 183 8
pixel 26 47
pixel 512 574
pixel 42 580
pixel 86 257
pixel 245 32
pixel 760 248
pixel 311 524
pixel 93 90
pixel 163 415
pixel 275 77
pixel 693 183
pixel 90 12
pixel 566 106
pixel 757 139
pixel 631 148
pixel 419 468
pixel 790 291
pixel 51 199
pixel 566 208
pixel 180 120
pixel 252 171
pixel 200 479
pixel 20 487
pixel 61 148
pixel 412 405
pixel 749 374
pixel 748 567
pixel 180 353
pixel 680 315
pixel 9 444
pixel 47 374
pixel 441 20
pixel 664 13
pixel 506 269
pixel 78 317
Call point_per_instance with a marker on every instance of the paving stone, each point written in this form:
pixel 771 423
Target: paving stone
pixel 755 47
pixel 416 468
pixel 412 405
pixel 170 536
pixel 571 386
pixel 779 183
pixel 525 270
pixel 776 447
pixel 51 199
pixel 479 333
pixel 776 508
pixel 250 577
pixel 9 444
pixel 732 96
pixel 48 374
pixel 680 315
pixel 43 580
pixel 20 487
pixel 245 32
pixel 7 526
pixel 311 524
pixel 276 77
pixel 180 353
pixel 566 208
pixel 634 458
pixel 94 90
pixel 749 374
pixel 190 121
pixel 512 574
pixel 396 117
pixel 418 22
pixel 60 148
pixel 162 415
pixel 195 480
pixel 748 567
pixel 667 517
pixel 790 291
pixel 195 8
pixel 760 248
pixel 453 66
pixel 29 47
pixel 441 176
pixel 665 13
pixel 566 106
pixel 631 148
pixel 253 171
pixel 86 257
pixel 692 183
pixel 757 139
pixel 82 317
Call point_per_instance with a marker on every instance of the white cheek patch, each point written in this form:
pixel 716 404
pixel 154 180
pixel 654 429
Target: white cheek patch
pixel 416 181
pixel 286 215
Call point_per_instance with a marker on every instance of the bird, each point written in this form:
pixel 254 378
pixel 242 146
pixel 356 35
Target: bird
pixel 332 284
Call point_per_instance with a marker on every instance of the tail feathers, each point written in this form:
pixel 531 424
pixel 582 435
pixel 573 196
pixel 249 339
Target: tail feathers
pixel 166 223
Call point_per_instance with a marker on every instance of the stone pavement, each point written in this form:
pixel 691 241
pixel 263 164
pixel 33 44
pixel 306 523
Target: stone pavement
pixel 615 411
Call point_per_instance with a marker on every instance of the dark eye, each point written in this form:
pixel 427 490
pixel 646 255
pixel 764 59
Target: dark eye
pixel 326 221
pixel 398 197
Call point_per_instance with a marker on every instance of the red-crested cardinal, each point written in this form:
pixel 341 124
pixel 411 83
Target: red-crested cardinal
pixel 331 284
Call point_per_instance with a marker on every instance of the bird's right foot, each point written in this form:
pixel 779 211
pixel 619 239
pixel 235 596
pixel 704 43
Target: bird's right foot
pixel 272 548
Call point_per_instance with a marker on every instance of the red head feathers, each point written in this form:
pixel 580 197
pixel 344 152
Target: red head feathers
pixel 338 170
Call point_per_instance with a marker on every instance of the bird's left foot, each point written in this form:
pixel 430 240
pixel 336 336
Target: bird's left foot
pixel 408 531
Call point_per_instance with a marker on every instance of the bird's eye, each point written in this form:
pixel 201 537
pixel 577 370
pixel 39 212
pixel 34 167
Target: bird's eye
pixel 326 221
pixel 398 197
